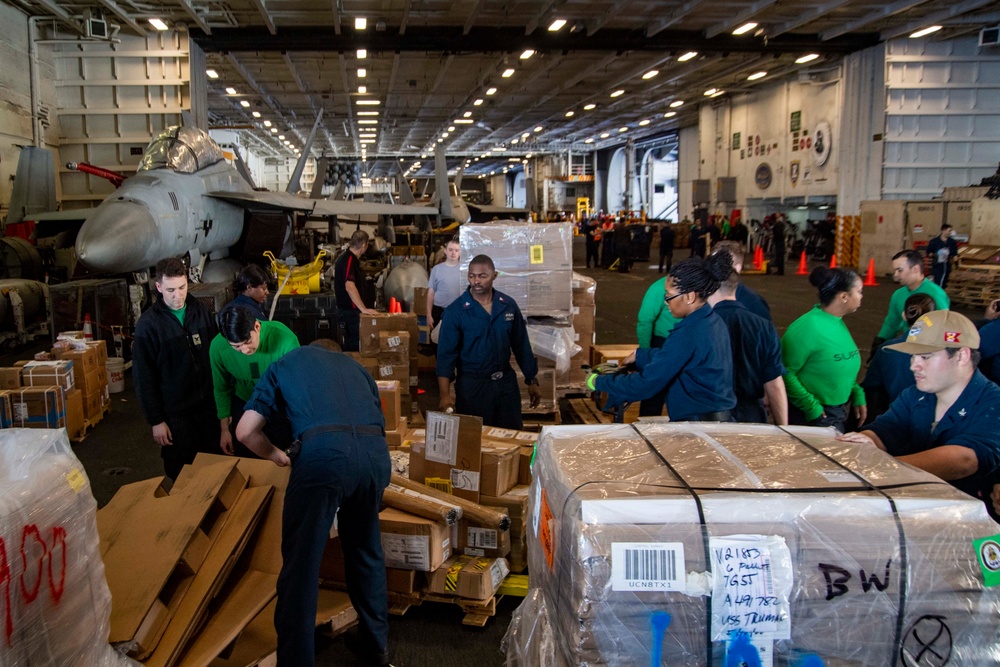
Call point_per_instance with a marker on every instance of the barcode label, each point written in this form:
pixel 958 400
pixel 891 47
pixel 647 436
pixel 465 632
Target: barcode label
pixel 442 438
pixel 408 552
pixel 647 566
pixel 439 483
pixel 482 537
pixel 393 341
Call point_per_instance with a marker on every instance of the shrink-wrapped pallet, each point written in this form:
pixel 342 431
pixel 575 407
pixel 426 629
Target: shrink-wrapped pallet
pixel 55 601
pixel 675 543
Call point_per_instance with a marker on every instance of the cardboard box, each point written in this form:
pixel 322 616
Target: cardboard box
pixel 90 383
pixel 84 361
pixel 332 568
pixel 499 469
pixel 373 325
pixel 412 542
pixel 102 350
pixel 38 407
pixel 388 371
pixel 74 413
pixel 610 354
pixel 515 503
pixel 93 405
pixel 524 465
pixel 473 578
pixel 420 303
pixel 449 458
pixel 394 347
pixel 10 378
pixel 475 539
pixel 584 290
pixel 389 394
pixel 6 411
pixel 48 373
pixel 507 436
pixel 520 245
pixel 394 437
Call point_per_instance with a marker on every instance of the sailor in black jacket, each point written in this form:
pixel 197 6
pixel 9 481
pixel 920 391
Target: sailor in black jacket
pixel 172 371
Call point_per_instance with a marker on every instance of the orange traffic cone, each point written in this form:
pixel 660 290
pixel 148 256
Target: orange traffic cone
pixel 399 307
pixel 833 261
pixel 758 258
pixel 88 327
pixel 392 304
pixel 803 265
pixel 870 276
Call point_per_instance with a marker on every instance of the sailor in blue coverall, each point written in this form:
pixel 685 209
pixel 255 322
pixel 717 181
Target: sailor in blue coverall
pixel 342 462
pixel 695 364
pixel 478 332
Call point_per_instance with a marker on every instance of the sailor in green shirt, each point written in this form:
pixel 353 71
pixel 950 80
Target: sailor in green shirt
pixel 822 358
pixel 908 270
pixel 240 354
pixel 652 328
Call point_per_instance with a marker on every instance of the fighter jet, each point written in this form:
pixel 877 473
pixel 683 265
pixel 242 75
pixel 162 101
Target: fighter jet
pixel 186 199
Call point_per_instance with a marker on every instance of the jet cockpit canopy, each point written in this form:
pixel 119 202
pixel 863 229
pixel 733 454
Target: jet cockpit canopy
pixel 181 148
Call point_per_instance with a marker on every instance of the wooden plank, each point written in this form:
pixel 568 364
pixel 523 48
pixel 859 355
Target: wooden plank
pixel 155 531
pixel 219 562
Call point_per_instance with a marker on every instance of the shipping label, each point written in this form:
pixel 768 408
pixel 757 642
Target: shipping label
pixel 485 538
pixel 466 480
pixel 441 442
pixel 409 552
pixel 752 577
pixel 647 566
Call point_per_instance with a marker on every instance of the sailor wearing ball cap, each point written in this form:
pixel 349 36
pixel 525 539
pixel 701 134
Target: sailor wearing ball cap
pixel 949 423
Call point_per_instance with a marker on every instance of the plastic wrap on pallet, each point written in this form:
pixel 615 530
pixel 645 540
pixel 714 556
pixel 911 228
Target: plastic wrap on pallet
pixel 555 343
pixel 57 601
pixel 675 543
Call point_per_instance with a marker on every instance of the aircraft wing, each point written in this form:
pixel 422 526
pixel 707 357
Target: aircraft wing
pixel 496 210
pixel 318 207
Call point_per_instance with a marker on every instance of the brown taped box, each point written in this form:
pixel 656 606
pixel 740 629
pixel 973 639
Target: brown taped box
pixel 332 568
pixel 102 350
pixel 6 411
pixel 475 539
pixel 394 437
pixel 48 373
pixel 84 361
pixel 524 465
pixel 394 347
pixel 387 370
pixel 515 503
pixel 411 542
pixel 603 354
pixel 389 393
pixel 92 382
pixel 10 378
pixel 38 407
pixel 466 577
pixel 449 458
pixel 498 470
pixel 93 405
pixel 74 413
pixel 373 325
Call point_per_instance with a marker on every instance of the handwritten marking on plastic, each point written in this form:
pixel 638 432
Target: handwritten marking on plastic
pixel 39 560
pixel 837 577
pixel 659 621
pixel 928 643
pixel 752 586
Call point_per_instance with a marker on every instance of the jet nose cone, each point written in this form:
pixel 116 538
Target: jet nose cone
pixel 118 237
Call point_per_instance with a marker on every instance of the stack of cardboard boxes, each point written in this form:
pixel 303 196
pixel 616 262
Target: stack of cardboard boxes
pixel 69 389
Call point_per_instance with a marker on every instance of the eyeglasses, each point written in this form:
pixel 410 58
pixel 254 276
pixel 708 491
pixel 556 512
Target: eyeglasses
pixel 666 299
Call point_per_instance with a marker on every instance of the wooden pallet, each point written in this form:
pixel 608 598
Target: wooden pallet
pixel 585 412
pixel 89 424
pixel 477 612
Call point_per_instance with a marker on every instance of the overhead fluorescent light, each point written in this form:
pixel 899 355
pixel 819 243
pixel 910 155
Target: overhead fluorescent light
pixel 491 91
pixel 676 103
pixel 444 135
pixel 368 103
pixel 467 114
pixel 605 135
pixel 256 114
pixel 808 58
pixel 362 90
pixel 618 93
pixel 923 32
pixel 230 90
pixel 588 140
pixel 650 74
pixel 687 56
pixel 513 142
pixel 440 141
pixel 710 92
pixel 539 128
pixel 670 114
pixel 267 123
pixel 367 113
pixel 478 102
pixel 212 74
pixel 281 137
pixel 756 75
pixel 274 130
pixel 589 107
pixel 570 114
pixel 644 122
pixel 367 141
pixel 451 128
pixel 463 121
pixel 362 54
pixel 745 28
pixel 623 129
pixel 244 104
pixel 367 122
pixel 507 73
pixel 527 54
pixel 158 24
pixel 360 23
pixel 557 25
pixel 718 92
pixel 362 72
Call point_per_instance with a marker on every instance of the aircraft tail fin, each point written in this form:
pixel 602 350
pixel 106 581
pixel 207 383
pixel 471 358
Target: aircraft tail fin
pixel 441 183
pixel 294 184
pixel 321 168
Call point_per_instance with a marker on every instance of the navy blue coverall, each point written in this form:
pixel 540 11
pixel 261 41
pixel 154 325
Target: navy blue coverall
pixel 695 364
pixel 478 345
pixel 343 466
pixel 756 358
